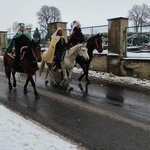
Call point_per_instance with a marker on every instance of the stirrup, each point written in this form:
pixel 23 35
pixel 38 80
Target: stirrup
pixel 55 68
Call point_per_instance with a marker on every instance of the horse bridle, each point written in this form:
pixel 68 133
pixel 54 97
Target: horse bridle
pixel 96 43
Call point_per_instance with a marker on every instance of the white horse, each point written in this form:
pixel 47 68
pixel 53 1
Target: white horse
pixel 67 64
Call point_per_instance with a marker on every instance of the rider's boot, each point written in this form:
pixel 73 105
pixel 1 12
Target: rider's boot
pixel 55 67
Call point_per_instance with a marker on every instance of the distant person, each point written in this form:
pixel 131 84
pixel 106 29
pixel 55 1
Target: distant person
pixel 76 35
pixel 19 40
pixel 56 48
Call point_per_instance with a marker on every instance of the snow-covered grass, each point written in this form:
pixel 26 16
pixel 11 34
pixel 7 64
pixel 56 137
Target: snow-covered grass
pixel 17 133
pixel 112 78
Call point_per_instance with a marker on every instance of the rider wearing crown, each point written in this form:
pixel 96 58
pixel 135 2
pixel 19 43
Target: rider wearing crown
pixel 20 39
pixel 76 35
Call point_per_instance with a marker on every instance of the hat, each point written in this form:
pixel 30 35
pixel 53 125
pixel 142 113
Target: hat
pixel 21 25
pixel 77 23
pixel 74 24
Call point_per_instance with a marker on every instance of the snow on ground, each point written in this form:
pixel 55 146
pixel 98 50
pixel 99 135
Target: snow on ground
pixel 112 78
pixel 17 133
pixel 128 80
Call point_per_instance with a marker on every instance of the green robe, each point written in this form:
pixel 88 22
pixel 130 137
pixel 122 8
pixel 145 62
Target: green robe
pixel 10 45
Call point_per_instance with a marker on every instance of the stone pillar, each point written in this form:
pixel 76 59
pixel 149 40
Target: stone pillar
pixel 3 40
pixel 117 37
pixel 55 25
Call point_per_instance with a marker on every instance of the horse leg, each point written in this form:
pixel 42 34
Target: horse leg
pixel 25 86
pixel 51 74
pixel 70 80
pixel 64 72
pixel 34 87
pixel 86 73
pixel 8 74
pixel 14 79
pixel 84 70
pixel 46 81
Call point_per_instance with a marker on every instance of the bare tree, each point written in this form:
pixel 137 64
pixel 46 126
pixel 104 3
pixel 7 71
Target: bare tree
pixel 139 15
pixel 48 14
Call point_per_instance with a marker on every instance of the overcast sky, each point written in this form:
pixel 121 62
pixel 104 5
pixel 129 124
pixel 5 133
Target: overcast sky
pixel 88 12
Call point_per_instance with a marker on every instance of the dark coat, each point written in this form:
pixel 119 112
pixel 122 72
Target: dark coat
pixel 61 46
pixel 18 41
pixel 76 37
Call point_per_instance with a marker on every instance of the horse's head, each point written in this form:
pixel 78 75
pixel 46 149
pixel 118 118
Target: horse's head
pixel 96 42
pixel 83 51
pixel 36 48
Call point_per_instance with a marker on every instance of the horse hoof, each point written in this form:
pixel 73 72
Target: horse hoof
pixel 79 80
pixel 70 89
pixel 25 91
pixel 46 82
pixel 10 87
pixel 55 84
pixel 14 85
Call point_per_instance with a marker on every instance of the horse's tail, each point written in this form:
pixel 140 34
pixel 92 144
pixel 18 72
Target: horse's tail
pixel 41 67
pixel 5 59
pixel 6 63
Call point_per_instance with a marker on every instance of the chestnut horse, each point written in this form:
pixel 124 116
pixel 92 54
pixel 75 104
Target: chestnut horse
pixel 95 42
pixel 31 54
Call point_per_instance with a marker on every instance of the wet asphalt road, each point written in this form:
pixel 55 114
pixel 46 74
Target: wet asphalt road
pixel 97 116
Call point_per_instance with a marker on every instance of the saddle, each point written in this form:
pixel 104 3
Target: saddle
pixel 17 66
pixel 22 51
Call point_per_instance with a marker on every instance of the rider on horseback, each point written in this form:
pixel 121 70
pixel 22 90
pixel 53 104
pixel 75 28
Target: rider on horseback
pixel 19 40
pixel 57 46
pixel 76 35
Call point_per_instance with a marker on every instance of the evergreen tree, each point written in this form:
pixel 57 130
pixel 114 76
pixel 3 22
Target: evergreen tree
pixel 36 34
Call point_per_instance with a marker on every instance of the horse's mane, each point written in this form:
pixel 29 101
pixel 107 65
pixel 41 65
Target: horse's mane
pixel 71 51
pixel 90 38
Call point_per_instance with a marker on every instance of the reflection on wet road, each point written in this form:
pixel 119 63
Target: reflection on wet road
pixel 99 116
pixel 129 101
pixel 132 101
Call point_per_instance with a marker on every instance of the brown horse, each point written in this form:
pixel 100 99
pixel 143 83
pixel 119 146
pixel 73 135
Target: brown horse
pixel 31 54
pixel 95 42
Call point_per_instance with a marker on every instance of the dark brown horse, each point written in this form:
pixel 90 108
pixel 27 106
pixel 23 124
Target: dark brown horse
pixel 95 42
pixel 31 54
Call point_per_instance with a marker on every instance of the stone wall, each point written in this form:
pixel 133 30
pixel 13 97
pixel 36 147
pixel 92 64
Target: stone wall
pixel 128 67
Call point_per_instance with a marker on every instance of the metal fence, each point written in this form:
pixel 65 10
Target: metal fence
pixel 87 31
pixel 92 30
pixel 138 41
